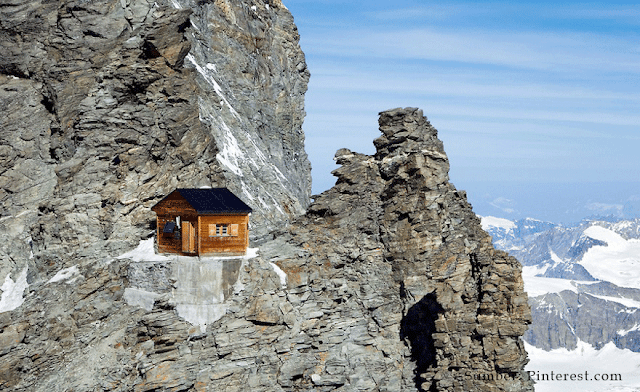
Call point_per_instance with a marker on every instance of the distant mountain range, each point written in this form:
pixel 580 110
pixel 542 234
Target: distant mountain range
pixel 571 202
pixel 583 280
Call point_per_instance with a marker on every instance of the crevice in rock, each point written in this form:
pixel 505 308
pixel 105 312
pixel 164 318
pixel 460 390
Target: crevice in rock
pixel 183 27
pixel 48 104
pixel 149 51
pixel 476 274
pixel 261 323
pixel 92 33
pixel 13 70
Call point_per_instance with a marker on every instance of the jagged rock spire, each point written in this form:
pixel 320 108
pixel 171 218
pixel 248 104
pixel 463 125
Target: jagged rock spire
pixel 439 288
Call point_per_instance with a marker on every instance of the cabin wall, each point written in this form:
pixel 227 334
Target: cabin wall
pixel 170 208
pixel 206 244
pixel 207 241
pixel 211 244
pixel 171 243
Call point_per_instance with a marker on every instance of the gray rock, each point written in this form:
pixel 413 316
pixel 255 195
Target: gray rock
pixel 390 283
pixel 123 105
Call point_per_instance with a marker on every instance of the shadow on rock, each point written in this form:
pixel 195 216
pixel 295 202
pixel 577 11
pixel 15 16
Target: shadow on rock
pixel 417 329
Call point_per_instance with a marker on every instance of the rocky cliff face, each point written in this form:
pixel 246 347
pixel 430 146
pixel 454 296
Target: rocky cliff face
pixel 396 249
pixel 386 283
pixel 109 105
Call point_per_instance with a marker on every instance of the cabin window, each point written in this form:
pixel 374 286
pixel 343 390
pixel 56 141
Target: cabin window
pixel 218 230
pixel 223 230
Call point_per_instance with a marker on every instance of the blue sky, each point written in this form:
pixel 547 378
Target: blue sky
pixel 537 103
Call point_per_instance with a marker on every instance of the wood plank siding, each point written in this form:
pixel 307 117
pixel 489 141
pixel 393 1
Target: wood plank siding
pixel 199 233
pixel 188 237
pixel 214 239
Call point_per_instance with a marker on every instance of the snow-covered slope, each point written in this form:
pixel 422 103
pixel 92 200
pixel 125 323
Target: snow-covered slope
pixel 583 281
pixel 492 223
pixel 617 262
pixel 586 369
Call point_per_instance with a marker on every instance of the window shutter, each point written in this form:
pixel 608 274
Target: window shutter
pixel 233 229
pixel 212 230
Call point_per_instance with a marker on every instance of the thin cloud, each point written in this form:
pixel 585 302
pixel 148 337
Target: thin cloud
pixel 463 85
pixel 444 13
pixel 518 91
pixel 501 110
pixel 536 51
pixel 504 204
pixel 433 12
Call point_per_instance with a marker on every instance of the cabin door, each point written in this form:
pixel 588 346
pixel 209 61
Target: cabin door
pixel 188 237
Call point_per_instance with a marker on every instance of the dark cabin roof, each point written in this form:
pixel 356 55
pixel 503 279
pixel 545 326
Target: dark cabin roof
pixel 213 201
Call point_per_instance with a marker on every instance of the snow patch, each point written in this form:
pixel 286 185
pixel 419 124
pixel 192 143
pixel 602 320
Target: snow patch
pixel 537 285
pixel 251 253
pixel 144 252
pixel 281 177
pixel 246 191
pixel 276 204
pixel 176 4
pixel 488 222
pixel 618 262
pixel 623 332
pixel 535 270
pixel 555 257
pixel 258 153
pixel 12 291
pixel 66 274
pixel 281 274
pixel 603 234
pixel 213 83
pixel 628 302
pixel 195 27
pixel 231 151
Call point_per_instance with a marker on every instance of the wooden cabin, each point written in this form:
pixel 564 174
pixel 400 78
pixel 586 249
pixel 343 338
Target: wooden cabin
pixel 200 222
